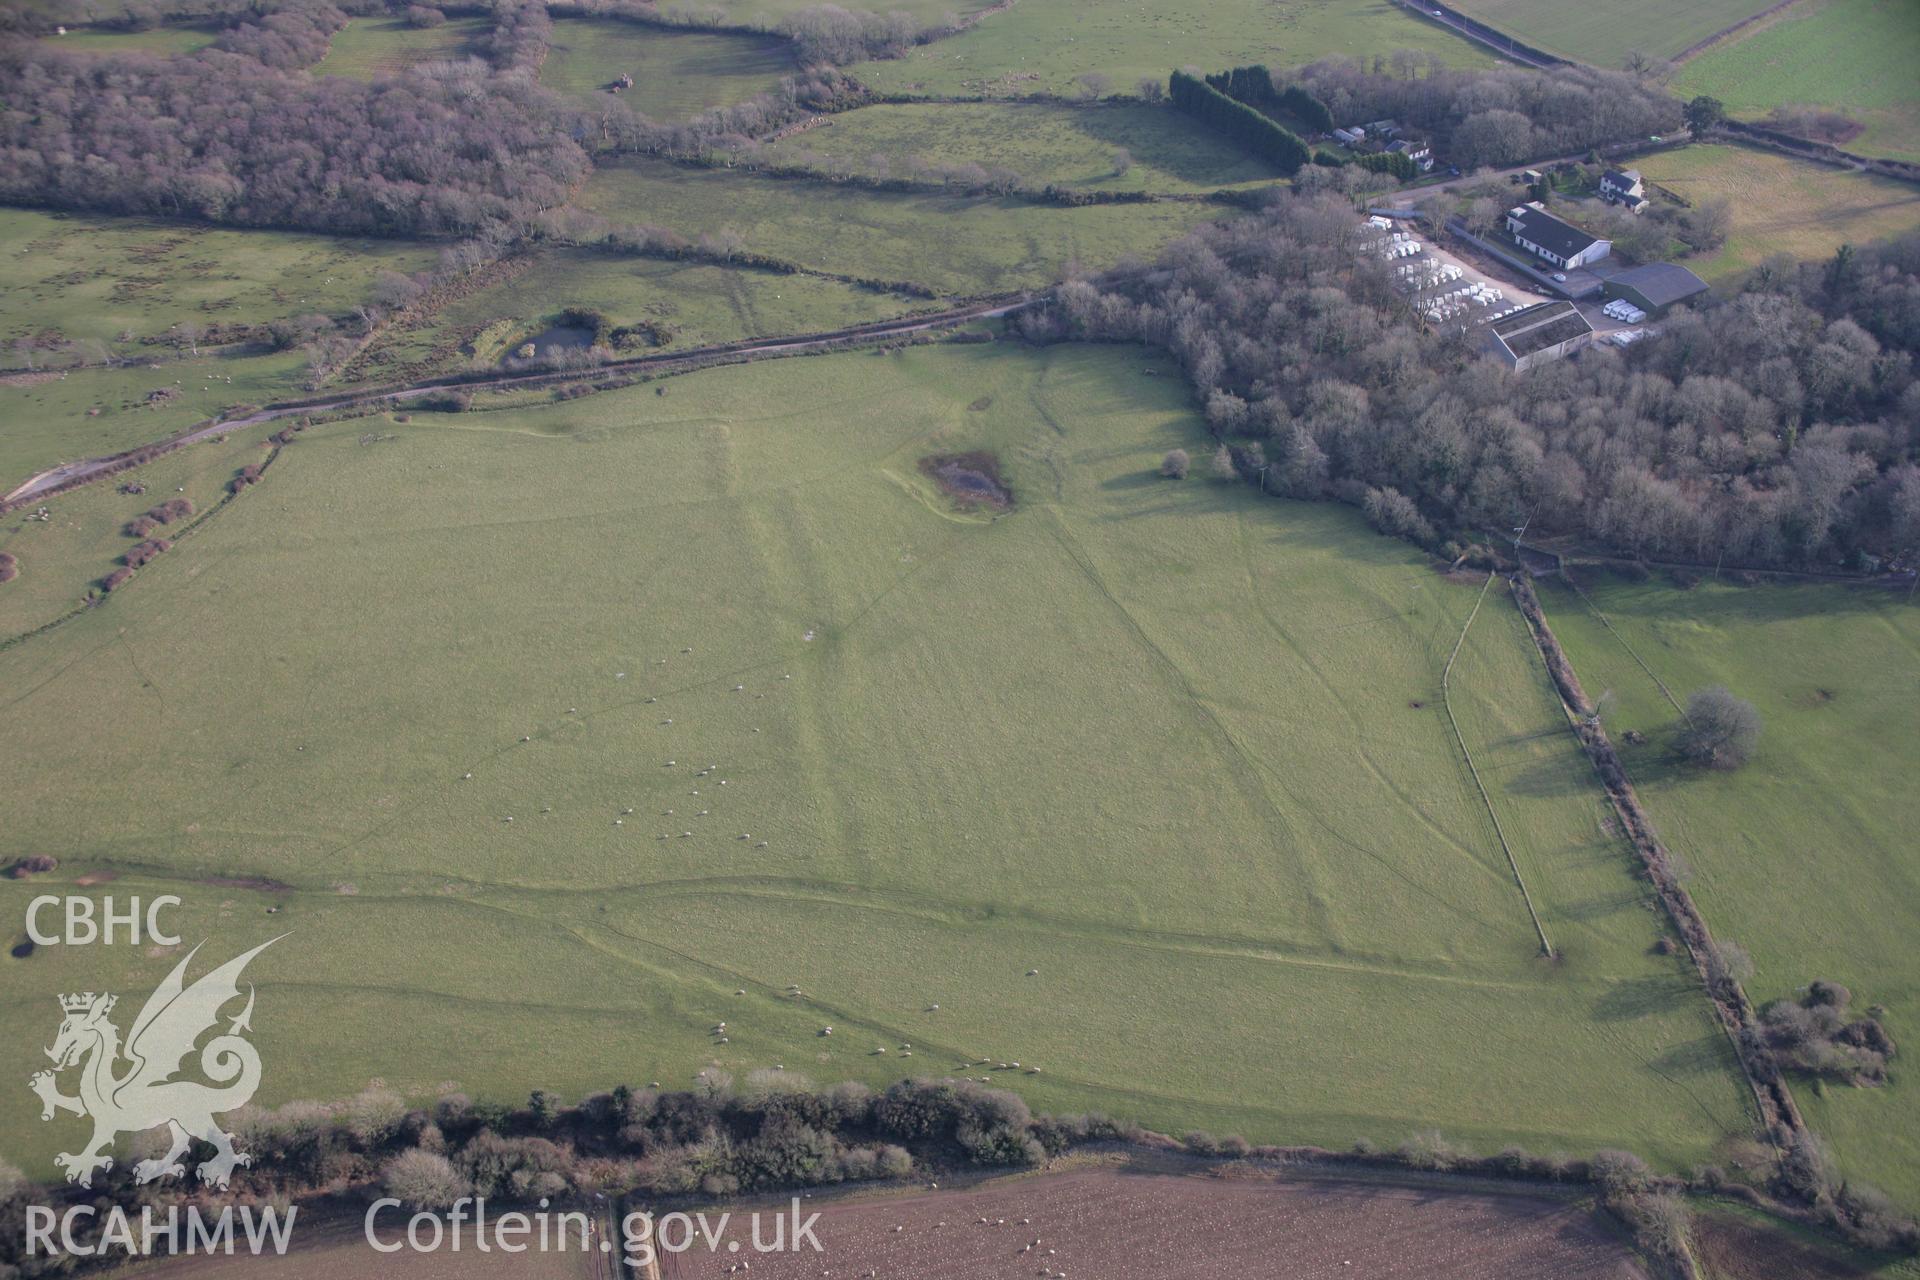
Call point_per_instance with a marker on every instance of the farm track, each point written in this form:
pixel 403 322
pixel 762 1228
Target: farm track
pixel 73 475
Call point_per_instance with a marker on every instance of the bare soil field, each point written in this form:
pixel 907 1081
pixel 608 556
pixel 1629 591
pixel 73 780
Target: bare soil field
pixel 1734 1248
pixel 1119 1224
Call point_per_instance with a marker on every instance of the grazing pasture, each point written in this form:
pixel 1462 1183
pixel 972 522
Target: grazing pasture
pixel 1856 57
pixel 955 244
pixel 65 557
pixel 1603 35
pixel 572 730
pixel 167 40
pixel 1076 147
pixel 1044 45
pixel 368 48
pixel 50 418
pixel 676 74
pixel 1782 205
pixel 75 276
pixel 690 303
pixel 1805 856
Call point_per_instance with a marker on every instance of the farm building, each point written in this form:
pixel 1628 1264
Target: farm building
pixel 1420 153
pixel 1349 137
pixel 1534 335
pixel 1656 287
pixel 1560 243
pixel 1625 188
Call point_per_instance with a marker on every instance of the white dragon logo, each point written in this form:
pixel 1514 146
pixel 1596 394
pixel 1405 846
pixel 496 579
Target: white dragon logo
pixel 145 1096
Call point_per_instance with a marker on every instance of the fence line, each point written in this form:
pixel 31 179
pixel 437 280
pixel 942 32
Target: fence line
pixel 1446 702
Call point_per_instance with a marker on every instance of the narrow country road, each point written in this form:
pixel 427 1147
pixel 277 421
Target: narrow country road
pixel 72 474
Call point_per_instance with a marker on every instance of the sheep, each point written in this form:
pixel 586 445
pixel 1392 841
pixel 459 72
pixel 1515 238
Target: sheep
pixel 526 737
pixel 618 823
pixel 626 811
pixel 1033 973
pixel 466 777
pixel 760 844
pixel 737 688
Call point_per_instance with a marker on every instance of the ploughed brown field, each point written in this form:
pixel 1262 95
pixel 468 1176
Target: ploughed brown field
pixel 1112 1224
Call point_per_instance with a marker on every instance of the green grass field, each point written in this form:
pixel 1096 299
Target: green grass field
pixel 926 12
pixel 77 276
pixel 1177 748
pixel 1806 856
pixel 953 243
pixel 1603 35
pixel 1043 45
pixel 168 40
pixel 63 558
pixel 697 303
pixel 676 74
pixel 1072 146
pixel 1852 56
pixel 1782 205
pixel 46 419
pixel 367 48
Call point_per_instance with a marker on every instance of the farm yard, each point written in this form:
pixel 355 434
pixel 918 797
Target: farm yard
pixel 909 795
pixel 1099 148
pixel 1604 35
pixel 676 74
pixel 1044 46
pixel 370 47
pixel 1798 856
pixel 1783 206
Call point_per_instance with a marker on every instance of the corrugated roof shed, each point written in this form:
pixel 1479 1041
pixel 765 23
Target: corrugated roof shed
pixel 1537 327
pixel 1661 283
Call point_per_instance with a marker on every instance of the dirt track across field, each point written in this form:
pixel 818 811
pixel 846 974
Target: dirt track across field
pixel 1116 1224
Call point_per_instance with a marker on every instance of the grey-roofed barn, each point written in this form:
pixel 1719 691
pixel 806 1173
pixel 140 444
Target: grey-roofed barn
pixel 1537 334
pixel 1656 286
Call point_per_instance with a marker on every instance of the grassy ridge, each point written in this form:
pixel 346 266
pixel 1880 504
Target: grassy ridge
pixel 1853 56
pixel 1252 867
pixel 1805 856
